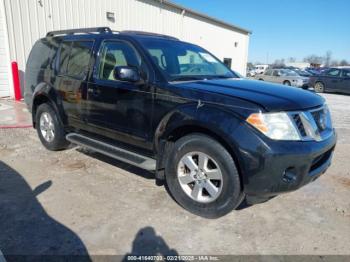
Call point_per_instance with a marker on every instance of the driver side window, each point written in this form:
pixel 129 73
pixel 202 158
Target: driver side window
pixel 268 72
pixel 115 54
pixel 334 72
pixel 276 73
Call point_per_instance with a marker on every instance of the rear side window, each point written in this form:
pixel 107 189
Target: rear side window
pixel 346 73
pixel 75 58
pixel 41 55
pixel 64 56
pixel 79 60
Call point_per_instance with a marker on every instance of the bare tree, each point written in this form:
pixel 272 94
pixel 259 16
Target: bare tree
pixel 334 63
pixel 314 59
pixel 344 63
pixel 327 58
pixel 292 59
pixel 279 63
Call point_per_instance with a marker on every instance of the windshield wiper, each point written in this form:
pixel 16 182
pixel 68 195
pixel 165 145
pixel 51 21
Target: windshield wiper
pixel 220 77
pixel 187 78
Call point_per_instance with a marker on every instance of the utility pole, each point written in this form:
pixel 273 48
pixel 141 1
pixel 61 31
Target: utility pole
pixel 267 58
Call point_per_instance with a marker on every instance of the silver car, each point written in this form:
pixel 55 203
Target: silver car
pixel 285 77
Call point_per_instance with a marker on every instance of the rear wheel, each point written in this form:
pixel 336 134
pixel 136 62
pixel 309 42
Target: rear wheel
pixel 287 83
pixel 49 128
pixel 202 176
pixel 319 87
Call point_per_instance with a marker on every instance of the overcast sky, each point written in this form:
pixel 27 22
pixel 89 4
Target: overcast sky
pixel 285 28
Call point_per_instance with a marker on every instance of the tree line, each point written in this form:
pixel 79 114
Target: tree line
pixel 325 60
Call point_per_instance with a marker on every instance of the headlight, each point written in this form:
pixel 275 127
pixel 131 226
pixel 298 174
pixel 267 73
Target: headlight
pixel 277 126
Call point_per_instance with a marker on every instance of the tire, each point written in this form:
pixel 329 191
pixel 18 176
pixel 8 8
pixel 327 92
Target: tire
pixel 261 79
pixel 319 87
pixel 53 138
pixel 219 202
pixel 287 83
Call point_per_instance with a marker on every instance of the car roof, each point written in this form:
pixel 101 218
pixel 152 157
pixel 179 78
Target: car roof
pixel 104 32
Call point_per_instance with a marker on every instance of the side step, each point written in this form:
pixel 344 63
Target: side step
pixel 113 151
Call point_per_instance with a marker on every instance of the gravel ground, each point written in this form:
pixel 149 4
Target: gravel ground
pixel 78 202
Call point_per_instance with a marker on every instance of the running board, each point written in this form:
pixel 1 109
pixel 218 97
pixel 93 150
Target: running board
pixel 113 151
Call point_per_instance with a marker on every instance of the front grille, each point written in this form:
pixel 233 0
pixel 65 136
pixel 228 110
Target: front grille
pixel 299 125
pixel 313 124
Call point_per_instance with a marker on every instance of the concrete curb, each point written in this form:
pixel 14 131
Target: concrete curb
pixel 15 127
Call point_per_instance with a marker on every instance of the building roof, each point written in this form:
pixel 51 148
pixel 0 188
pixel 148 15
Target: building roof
pixel 215 20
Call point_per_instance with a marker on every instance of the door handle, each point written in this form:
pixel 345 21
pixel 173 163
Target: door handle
pixel 94 91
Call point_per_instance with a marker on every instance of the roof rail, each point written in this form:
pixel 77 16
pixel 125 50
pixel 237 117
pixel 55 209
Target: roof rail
pixel 130 32
pixel 99 30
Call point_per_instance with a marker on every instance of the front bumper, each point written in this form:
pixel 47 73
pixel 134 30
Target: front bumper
pixel 303 85
pixel 270 168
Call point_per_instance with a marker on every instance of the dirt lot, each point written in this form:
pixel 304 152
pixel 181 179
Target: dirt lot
pixel 74 202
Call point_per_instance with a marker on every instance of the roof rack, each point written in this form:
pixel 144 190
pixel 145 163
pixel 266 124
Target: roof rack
pixel 100 30
pixel 147 34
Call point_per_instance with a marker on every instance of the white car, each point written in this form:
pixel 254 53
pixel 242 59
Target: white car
pixel 285 77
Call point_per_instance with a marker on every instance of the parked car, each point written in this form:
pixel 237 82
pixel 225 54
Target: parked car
pixel 173 108
pixel 332 80
pixel 260 69
pixel 312 71
pixel 251 72
pixel 302 72
pixel 284 76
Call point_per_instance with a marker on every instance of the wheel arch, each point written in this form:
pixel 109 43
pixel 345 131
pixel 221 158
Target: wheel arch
pixel 43 93
pixel 167 142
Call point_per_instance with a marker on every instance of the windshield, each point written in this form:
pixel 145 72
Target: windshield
pixel 181 61
pixel 302 73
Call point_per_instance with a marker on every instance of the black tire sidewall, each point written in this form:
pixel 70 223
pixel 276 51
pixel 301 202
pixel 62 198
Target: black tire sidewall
pixel 231 192
pixel 287 83
pixel 59 141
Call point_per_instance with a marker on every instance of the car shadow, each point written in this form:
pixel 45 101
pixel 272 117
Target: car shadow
pixel 27 232
pixel 141 172
pixel 148 243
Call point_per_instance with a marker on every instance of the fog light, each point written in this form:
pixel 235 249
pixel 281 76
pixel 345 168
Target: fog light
pixel 289 176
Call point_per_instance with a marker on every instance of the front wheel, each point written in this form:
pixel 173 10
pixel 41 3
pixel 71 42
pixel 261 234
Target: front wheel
pixel 202 176
pixel 49 128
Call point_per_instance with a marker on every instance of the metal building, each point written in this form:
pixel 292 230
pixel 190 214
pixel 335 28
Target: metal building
pixel 22 22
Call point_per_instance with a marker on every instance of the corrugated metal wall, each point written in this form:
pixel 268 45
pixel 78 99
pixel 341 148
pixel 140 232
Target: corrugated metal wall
pixel 4 56
pixel 29 20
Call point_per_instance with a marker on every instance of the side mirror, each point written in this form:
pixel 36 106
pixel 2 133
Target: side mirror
pixel 126 73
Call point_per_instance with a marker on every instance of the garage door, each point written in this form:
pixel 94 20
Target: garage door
pixel 4 78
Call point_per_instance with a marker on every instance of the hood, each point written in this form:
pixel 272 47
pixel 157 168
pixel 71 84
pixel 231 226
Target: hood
pixel 272 97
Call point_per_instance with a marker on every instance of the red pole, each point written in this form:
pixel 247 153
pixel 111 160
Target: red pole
pixel 16 82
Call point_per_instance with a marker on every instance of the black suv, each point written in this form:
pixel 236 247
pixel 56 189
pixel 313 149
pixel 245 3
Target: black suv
pixel 172 107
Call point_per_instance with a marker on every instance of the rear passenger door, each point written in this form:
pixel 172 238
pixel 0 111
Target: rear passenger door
pixel 344 83
pixel 73 68
pixel 332 79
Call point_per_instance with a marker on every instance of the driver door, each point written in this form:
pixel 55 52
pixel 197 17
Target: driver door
pixel 118 109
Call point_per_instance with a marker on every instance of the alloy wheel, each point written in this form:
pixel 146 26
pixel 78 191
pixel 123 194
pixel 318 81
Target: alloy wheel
pixel 200 177
pixel 47 127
